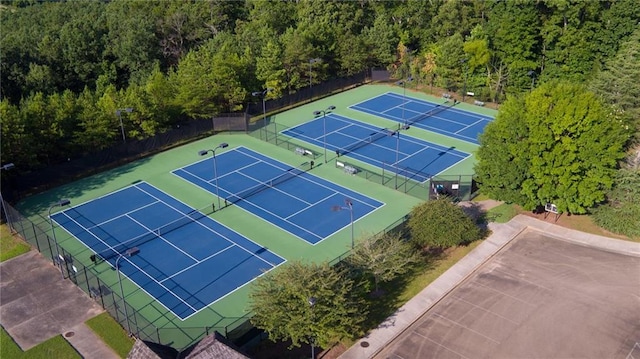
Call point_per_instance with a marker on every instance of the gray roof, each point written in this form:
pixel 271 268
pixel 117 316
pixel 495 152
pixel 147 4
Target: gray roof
pixel 214 346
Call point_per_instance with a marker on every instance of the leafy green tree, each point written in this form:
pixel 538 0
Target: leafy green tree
pixel 441 224
pixel 307 303
pixel 502 164
pixel 384 257
pixel 618 85
pixel 621 213
pixel 567 145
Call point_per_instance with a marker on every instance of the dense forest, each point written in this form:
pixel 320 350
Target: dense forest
pixel 70 69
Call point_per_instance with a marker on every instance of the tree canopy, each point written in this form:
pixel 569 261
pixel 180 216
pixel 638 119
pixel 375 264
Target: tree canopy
pixel 441 224
pixel 559 144
pixel 383 256
pixel 307 303
pixel 173 58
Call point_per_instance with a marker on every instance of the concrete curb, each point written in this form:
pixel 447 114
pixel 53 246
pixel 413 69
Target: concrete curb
pixel 502 234
pixel 393 326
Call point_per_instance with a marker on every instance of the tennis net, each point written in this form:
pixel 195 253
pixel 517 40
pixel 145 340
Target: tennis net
pixel 287 175
pixel 385 132
pixel 434 111
pixel 121 248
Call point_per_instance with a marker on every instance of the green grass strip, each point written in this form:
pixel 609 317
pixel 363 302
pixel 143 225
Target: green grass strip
pixel 10 245
pixel 111 333
pixel 54 348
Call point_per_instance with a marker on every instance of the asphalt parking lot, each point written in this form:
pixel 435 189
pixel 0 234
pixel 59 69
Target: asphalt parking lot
pixel 539 297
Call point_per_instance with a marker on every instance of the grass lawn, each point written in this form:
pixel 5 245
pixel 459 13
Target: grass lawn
pixel 111 333
pixel 502 214
pixel 10 245
pixel 54 348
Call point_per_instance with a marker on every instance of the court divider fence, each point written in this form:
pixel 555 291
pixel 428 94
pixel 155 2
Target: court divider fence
pixel 458 187
pixel 239 330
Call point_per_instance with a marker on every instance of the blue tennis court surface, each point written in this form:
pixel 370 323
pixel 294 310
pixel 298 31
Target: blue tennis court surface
pixel 290 198
pixel 186 260
pixel 439 118
pixel 388 149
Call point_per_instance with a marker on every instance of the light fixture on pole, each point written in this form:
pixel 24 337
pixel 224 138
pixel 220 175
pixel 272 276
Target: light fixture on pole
pixel 311 62
pixel 129 253
pixel 215 167
pixel 6 167
pixel 312 303
pixel 347 207
pixel 60 203
pixel 119 113
pixel 324 126
pixel 403 83
pixel 263 95
pixel 466 71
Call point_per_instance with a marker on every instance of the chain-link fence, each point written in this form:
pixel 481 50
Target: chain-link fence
pixel 458 187
pixel 108 296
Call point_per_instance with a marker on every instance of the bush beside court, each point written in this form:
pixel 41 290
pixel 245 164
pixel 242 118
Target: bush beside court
pixel 304 303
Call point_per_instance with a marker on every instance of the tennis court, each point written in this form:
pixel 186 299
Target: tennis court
pixel 440 118
pixel 288 197
pixel 185 260
pixel 389 149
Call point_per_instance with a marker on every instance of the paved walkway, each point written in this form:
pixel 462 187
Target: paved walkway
pixel 501 235
pixel 36 304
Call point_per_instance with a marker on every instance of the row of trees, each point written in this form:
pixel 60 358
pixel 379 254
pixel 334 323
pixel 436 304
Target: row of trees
pixel 321 305
pixel 67 66
pixel 574 145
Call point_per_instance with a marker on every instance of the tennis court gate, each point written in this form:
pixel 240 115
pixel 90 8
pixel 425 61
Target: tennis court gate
pixel 104 293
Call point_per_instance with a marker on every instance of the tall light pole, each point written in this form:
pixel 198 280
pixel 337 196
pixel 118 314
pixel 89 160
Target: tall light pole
pixel 129 253
pixel 324 126
pixel 119 113
pixel 466 70
pixel 6 167
pixel 60 203
pixel 215 167
pixel 312 303
pixel 263 95
pixel 403 83
pixel 311 62
pixel 347 207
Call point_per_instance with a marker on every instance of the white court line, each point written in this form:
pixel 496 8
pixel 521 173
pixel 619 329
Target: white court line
pixel 507 295
pixel 178 298
pixel 139 269
pixel 198 262
pixel 465 327
pixel 485 309
pixel 125 214
pixel 441 345
pixel 163 239
pixel 522 279
pixel 213 231
pixel 630 355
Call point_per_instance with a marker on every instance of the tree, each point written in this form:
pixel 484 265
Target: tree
pixel 622 211
pixel 564 142
pixel 307 303
pixel 440 223
pixel 618 85
pixel 384 257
